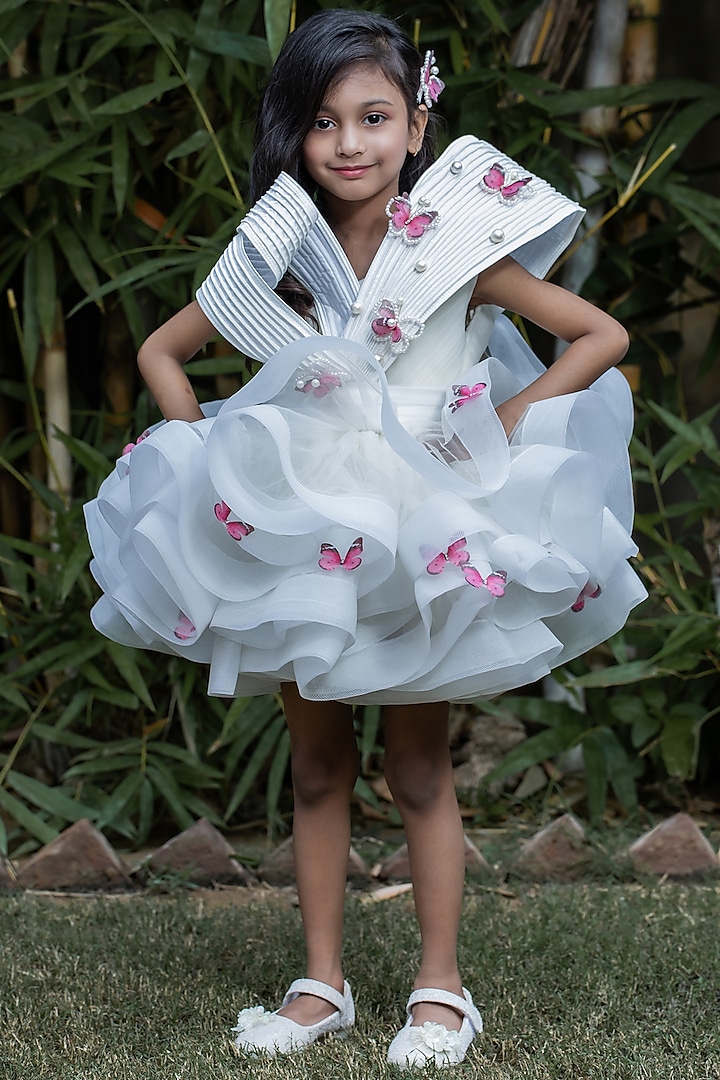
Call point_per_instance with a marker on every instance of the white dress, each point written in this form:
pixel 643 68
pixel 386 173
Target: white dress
pixel 354 519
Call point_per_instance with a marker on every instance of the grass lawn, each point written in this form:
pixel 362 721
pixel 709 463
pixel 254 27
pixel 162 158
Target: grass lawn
pixel 579 982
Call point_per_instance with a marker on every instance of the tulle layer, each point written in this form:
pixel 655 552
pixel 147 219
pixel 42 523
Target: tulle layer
pixel 371 543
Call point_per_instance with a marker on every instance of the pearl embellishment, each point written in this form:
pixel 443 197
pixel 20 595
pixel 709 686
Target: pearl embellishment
pixel 456 167
pixel 420 266
pixel 315 383
pixel 356 308
pixel 497 236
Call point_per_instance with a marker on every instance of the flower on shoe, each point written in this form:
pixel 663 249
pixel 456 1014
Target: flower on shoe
pixel 250 1018
pixel 435 1037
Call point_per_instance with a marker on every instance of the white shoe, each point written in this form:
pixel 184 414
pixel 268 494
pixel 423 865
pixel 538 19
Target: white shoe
pixel 268 1034
pixel 428 1043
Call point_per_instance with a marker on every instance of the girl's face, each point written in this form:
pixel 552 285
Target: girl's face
pixel 360 138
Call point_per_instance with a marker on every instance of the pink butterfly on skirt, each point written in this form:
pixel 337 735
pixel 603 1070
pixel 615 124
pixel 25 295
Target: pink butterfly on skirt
pixel 458 556
pixel 412 227
pixel 131 445
pixel 591 592
pixel 330 556
pixel 237 529
pixel 507 188
pixel 465 393
pixel 184 629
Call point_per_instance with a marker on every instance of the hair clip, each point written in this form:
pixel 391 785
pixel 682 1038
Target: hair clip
pixel 431 87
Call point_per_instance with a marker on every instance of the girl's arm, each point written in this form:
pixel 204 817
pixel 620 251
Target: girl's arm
pixel 161 360
pixel 596 340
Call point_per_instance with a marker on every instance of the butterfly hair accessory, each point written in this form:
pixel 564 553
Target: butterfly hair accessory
pixel 465 393
pixel 431 87
pixel 317 385
pixel 507 185
pixel 410 225
pixel 237 529
pixel 330 556
pixel 457 555
pixel 590 592
pixel 185 630
pixel 396 332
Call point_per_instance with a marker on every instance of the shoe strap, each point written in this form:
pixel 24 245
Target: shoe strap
pixel 317 989
pixel 463 1005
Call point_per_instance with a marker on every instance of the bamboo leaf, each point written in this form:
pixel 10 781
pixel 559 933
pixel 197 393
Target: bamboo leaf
pixel 89 457
pixel 276 775
pixel 197 141
pixel 277 22
pixel 149 268
pixel 137 98
pixel 46 289
pixel 76 257
pixel 617 675
pixel 239 46
pixel 124 660
pixel 73 567
pixel 165 786
pixel 537 748
pixel 51 799
pixel 259 756
pixel 120 165
pixel 26 818
pixel 596 777
pixel 123 796
pixel 491 13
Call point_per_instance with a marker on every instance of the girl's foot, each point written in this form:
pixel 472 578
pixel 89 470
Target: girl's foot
pixel 261 1033
pixel 307 1009
pixel 433 1012
pixel 432 1042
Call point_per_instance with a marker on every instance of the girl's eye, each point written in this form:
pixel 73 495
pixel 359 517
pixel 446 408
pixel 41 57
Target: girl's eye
pixel 322 124
pixel 374 119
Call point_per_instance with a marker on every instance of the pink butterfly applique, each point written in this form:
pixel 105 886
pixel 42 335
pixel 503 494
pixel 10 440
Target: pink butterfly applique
pixel 330 556
pixel 397 332
pixel 431 87
pixel 237 529
pixel 131 445
pixel 591 592
pixel 318 385
pixel 465 393
pixel 410 226
pixel 184 629
pixel 457 555
pixel 509 187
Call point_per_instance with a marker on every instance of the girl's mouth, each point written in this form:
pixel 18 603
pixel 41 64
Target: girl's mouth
pixel 351 171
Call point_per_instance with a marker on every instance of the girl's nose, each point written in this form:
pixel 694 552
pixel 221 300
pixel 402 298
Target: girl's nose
pixel 349 142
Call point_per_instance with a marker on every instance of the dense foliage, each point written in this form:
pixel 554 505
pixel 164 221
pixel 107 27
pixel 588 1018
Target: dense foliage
pixel 125 135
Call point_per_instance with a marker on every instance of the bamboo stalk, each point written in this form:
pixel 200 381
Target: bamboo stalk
pixel 640 60
pixel 53 364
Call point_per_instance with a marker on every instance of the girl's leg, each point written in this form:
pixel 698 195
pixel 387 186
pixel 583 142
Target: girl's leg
pixel 419 773
pixel 325 763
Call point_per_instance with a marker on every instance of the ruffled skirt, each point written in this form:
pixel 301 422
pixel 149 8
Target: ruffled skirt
pixel 371 543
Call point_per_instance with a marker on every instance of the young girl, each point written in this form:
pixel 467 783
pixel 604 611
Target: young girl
pixel 403 506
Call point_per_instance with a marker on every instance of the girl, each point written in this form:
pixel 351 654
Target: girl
pixel 402 506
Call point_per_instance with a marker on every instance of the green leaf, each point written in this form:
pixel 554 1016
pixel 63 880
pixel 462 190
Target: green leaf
pixel 491 13
pixel 678 741
pixel 79 264
pixel 619 771
pixel 131 100
pixel 259 756
pixel 197 141
pixel 74 565
pixel 239 46
pixel 644 729
pixel 91 459
pixel 51 799
pixel 276 774
pixel 120 165
pixel 595 776
pixel 126 792
pixel 165 786
pixel 277 22
pixel 537 748
pixel 26 818
pixel 617 675
pixel 124 660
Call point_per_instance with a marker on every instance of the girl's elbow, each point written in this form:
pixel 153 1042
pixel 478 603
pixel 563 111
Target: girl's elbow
pixel 621 342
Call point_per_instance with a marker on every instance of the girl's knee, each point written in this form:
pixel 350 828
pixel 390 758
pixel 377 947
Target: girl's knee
pixel 417 782
pixel 318 778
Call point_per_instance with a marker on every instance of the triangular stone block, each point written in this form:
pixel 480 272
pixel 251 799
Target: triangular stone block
pixel 559 852
pixel 202 855
pixel 8 876
pixel 279 867
pixel 675 847
pixel 397 866
pixel 80 859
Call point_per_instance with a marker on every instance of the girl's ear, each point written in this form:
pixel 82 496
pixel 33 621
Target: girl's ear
pixel 417 129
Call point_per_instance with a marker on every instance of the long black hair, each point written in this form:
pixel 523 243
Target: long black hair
pixel 312 58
